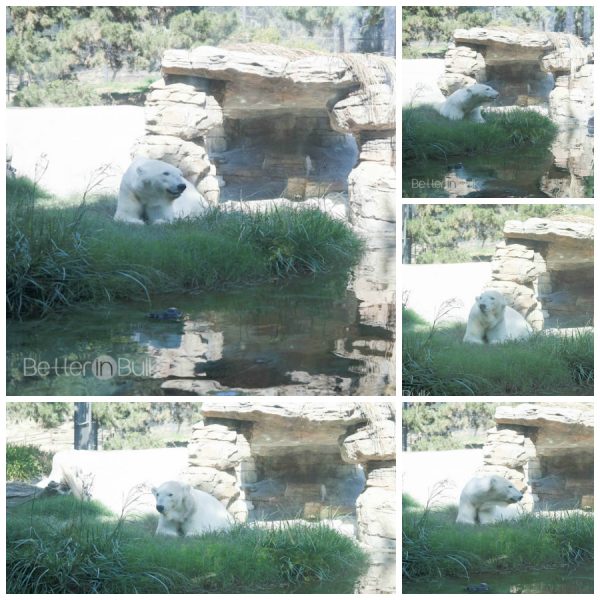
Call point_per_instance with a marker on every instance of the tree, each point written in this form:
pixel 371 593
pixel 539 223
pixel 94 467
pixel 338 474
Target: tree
pixel 437 230
pixel 431 425
pixel 189 28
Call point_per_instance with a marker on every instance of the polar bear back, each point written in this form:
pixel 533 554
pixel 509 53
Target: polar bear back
pixel 466 103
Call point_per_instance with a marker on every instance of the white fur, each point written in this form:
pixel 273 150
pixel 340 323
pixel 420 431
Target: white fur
pixel 492 321
pixel 187 511
pixel 483 498
pixel 466 103
pixel 152 191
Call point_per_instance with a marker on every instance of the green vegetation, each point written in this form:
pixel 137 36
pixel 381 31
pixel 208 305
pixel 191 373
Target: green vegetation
pixel 25 463
pixel 427 24
pixel 60 545
pixel 124 425
pixel 434 231
pixel 435 362
pixel 431 425
pixel 49 48
pixel 434 546
pixel 59 256
pixel 428 135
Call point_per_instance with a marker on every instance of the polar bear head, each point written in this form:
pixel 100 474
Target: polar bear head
pixel 484 93
pixel 502 490
pixel 160 179
pixel 174 500
pixel 491 303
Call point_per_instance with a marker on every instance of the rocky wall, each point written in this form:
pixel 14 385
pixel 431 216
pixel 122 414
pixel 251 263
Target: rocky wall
pixel 545 268
pixel 209 95
pixel 546 450
pixel 527 68
pixel 261 459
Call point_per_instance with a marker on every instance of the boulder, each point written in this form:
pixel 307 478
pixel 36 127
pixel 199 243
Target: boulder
pixel 369 109
pixel 571 102
pixel 372 198
pixel 378 533
pixel 376 441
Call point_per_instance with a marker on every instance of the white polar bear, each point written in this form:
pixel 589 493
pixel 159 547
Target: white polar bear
pixel 466 103
pixel 187 511
pixel 483 497
pixel 492 321
pixel 154 191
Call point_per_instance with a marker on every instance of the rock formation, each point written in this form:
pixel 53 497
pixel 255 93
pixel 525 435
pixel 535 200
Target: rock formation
pixel 546 268
pixel 547 451
pixel 324 461
pixel 527 68
pixel 260 122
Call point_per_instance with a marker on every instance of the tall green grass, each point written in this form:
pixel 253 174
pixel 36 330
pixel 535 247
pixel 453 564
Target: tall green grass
pixel 428 135
pixel 60 256
pixel 61 545
pixel 435 362
pixel 434 546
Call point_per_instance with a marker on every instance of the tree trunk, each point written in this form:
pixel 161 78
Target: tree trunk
pixel 389 31
pixel 570 20
pixel 407 215
pixel 86 431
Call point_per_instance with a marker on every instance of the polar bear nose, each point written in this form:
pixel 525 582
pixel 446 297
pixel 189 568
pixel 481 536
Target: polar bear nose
pixel 160 508
pixel 181 187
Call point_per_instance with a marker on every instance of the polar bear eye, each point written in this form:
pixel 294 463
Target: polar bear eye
pixel 166 173
pixel 170 495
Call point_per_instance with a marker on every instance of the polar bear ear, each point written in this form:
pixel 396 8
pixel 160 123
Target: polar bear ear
pixel 140 170
pixel 469 91
pixel 154 490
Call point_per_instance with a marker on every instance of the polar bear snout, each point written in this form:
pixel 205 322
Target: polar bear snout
pixel 160 508
pixel 516 496
pixel 178 190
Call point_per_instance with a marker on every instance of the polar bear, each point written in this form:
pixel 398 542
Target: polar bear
pixel 153 191
pixel 483 497
pixel 492 321
pixel 466 103
pixel 186 511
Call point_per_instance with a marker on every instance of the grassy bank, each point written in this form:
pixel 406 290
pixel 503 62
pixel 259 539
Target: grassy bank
pixel 59 255
pixel 434 546
pixel 437 363
pixel 428 135
pixel 61 545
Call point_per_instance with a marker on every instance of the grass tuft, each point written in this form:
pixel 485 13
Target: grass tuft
pixel 60 256
pixel 62 545
pixel 435 362
pixel 434 546
pixel 428 135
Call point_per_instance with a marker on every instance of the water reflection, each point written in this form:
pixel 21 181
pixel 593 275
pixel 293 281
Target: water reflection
pixel 564 172
pixel 548 581
pixel 320 336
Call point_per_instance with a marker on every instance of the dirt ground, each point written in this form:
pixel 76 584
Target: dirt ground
pixel 75 143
